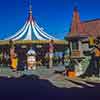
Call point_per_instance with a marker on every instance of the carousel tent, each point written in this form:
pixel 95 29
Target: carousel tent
pixel 31 31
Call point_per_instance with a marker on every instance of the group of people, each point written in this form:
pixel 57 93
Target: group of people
pixel 21 59
pixel 18 59
pixel 94 66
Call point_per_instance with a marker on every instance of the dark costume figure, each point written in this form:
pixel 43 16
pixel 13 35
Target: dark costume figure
pixel 21 58
pixel 91 69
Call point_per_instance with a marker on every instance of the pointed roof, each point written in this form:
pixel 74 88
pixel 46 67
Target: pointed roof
pixel 31 31
pixel 75 21
pixel 76 26
pixel 85 28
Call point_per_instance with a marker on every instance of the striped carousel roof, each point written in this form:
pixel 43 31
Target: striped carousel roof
pixel 31 31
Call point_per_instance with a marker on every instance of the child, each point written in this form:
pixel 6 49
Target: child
pixel 66 64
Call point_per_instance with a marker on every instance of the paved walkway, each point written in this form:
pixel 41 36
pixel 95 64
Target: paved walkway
pixel 57 80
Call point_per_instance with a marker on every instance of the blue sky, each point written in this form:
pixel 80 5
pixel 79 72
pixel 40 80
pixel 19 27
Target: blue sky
pixel 53 15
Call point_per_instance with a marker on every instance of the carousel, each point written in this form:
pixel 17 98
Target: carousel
pixel 31 35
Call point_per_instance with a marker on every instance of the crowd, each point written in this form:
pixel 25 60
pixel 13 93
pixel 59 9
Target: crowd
pixel 18 58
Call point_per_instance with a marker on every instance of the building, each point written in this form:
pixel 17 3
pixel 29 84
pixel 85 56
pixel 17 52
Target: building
pixel 82 34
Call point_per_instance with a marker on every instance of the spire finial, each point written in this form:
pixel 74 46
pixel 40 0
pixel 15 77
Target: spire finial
pixel 30 10
pixel 30 7
pixel 75 8
pixel 75 5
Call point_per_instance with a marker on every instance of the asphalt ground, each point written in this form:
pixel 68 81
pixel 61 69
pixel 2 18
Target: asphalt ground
pixel 45 85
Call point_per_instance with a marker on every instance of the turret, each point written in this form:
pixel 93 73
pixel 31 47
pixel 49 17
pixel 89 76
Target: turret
pixel 75 25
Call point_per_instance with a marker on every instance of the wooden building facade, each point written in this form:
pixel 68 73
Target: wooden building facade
pixel 82 35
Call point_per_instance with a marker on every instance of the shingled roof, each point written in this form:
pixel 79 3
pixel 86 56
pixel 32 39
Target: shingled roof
pixel 92 27
pixel 85 28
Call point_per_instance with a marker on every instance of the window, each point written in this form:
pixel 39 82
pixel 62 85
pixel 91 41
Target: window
pixel 75 45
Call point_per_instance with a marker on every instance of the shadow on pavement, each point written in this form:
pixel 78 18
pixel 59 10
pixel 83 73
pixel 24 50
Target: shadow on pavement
pixel 33 88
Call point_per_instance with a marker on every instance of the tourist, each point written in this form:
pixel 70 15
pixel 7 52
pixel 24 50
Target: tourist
pixel 97 59
pixel 96 52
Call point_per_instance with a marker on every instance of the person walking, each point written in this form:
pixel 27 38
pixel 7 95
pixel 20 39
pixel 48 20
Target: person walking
pixel 96 52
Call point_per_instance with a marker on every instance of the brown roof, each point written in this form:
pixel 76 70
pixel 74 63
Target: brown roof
pixel 85 28
pixel 91 27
